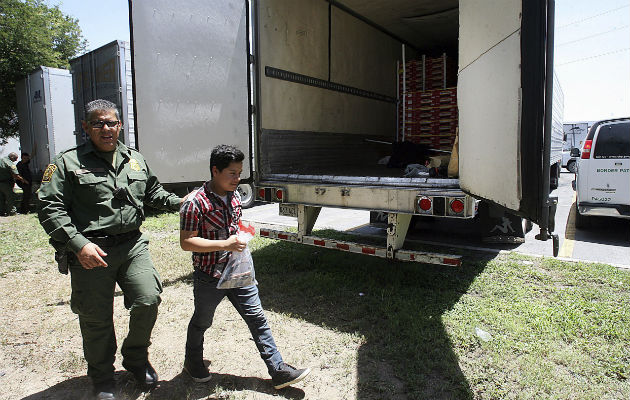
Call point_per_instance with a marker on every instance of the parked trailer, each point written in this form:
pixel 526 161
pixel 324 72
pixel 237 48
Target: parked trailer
pixel 309 90
pixel 104 73
pixel 557 134
pixel 44 100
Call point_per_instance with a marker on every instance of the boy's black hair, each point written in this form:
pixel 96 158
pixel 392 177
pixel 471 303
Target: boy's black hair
pixel 223 155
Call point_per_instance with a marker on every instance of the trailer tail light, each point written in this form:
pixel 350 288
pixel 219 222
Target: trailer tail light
pixel 424 205
pixel 586 151
pixel 457 206
pixel 271 194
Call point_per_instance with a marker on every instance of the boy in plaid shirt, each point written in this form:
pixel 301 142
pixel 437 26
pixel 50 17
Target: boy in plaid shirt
pixel 208 227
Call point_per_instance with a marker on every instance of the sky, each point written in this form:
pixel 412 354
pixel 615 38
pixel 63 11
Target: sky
pixel 592 51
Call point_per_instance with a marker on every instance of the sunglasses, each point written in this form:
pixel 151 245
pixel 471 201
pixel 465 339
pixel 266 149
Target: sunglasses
pixel 100 124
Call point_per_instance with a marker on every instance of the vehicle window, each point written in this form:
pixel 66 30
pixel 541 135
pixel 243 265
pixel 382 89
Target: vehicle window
pixel 613 141
pixel 591 131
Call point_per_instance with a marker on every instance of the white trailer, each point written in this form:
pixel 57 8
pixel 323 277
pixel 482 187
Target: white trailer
pixel 301 85
pixel 44 100
pixel 557 133
pixel 104 73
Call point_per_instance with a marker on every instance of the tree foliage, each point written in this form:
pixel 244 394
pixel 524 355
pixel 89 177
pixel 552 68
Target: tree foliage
pixel 32 34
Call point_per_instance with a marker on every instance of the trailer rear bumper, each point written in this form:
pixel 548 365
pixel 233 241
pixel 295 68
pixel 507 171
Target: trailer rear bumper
pixel 400 255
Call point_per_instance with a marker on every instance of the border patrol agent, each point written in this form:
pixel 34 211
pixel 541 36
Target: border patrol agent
pixel 8 175
pixel 91 204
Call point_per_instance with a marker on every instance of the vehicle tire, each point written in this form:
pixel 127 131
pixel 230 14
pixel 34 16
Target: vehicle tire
pixel 247 194
pixel 554 179
pixel 571 166
pixel 581 221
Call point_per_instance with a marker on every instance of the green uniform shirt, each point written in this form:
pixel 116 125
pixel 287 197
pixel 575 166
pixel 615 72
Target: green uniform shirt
pixel 77 194
pixel 7 169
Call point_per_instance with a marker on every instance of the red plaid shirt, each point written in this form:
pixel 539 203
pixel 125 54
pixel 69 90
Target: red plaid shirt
pixel 205 212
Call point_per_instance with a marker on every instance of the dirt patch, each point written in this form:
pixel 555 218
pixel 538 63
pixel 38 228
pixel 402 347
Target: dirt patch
pixel 42 358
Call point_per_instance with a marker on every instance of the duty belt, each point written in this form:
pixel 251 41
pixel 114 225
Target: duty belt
pixel 105 240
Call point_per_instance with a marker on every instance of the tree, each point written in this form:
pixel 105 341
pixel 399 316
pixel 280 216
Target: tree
pixel 32 34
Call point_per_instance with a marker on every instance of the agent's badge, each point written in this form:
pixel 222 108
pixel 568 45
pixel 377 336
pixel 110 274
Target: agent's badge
pixel 134 164
pixel 50 170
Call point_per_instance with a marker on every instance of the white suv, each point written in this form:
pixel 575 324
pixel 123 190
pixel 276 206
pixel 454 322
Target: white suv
pixel 602 179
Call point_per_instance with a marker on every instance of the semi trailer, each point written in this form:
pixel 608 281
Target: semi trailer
pixel 310 90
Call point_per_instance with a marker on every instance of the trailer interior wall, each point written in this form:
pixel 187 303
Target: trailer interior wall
pixel 313 129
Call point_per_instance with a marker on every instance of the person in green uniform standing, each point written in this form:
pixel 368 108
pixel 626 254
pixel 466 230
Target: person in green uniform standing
pixel 8 175
pixel 91 203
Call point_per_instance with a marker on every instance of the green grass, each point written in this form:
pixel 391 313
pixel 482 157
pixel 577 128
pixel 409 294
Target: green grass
pixel 560 330
pixel 22 241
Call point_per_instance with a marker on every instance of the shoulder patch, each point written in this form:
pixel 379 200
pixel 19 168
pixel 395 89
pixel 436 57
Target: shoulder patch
pixel 50 170
pixel 134 165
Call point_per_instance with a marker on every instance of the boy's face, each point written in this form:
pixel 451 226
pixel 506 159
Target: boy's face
pixel 228 179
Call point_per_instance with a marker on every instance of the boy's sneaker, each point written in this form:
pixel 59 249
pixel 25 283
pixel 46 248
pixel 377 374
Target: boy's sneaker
pixel 287 375
pixel 197 370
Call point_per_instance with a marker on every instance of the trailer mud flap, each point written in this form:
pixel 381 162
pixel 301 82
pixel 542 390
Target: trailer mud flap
pixel 499 226
pixel 400 255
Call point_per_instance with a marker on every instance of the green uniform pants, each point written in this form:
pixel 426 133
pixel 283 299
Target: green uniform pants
pixel 129 265
pixel 7 198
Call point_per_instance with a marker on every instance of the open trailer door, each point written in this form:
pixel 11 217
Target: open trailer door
pixel 504 98
pixel 191 84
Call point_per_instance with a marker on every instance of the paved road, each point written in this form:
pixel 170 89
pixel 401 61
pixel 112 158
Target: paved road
pixel 607 241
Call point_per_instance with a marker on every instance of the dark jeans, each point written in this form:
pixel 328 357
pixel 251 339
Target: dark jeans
pixel 27 191
pixel 246 301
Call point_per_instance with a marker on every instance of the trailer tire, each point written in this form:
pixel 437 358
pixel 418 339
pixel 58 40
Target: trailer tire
pixel 247 194
pixel 554 179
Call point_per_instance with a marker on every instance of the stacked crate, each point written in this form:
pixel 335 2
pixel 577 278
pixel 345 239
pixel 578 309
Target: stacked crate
pixel 428 102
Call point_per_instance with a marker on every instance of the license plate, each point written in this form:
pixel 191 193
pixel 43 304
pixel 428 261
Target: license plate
pixel 289 210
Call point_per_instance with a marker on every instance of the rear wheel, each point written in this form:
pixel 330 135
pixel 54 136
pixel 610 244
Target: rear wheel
pixel 571 166
pixel 554 178
pixel 581 221
pixel 247 194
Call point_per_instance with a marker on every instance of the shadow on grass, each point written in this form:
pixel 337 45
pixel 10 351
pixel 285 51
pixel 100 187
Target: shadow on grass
pixel 180 387
pixel 397 307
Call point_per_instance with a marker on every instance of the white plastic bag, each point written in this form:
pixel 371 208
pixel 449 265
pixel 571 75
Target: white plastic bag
pixel 239 271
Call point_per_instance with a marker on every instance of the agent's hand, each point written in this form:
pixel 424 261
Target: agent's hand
pixel 233 244
pixel 183 199
pixel 90 256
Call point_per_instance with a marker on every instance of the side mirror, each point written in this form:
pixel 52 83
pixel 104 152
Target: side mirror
pixel 575 152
